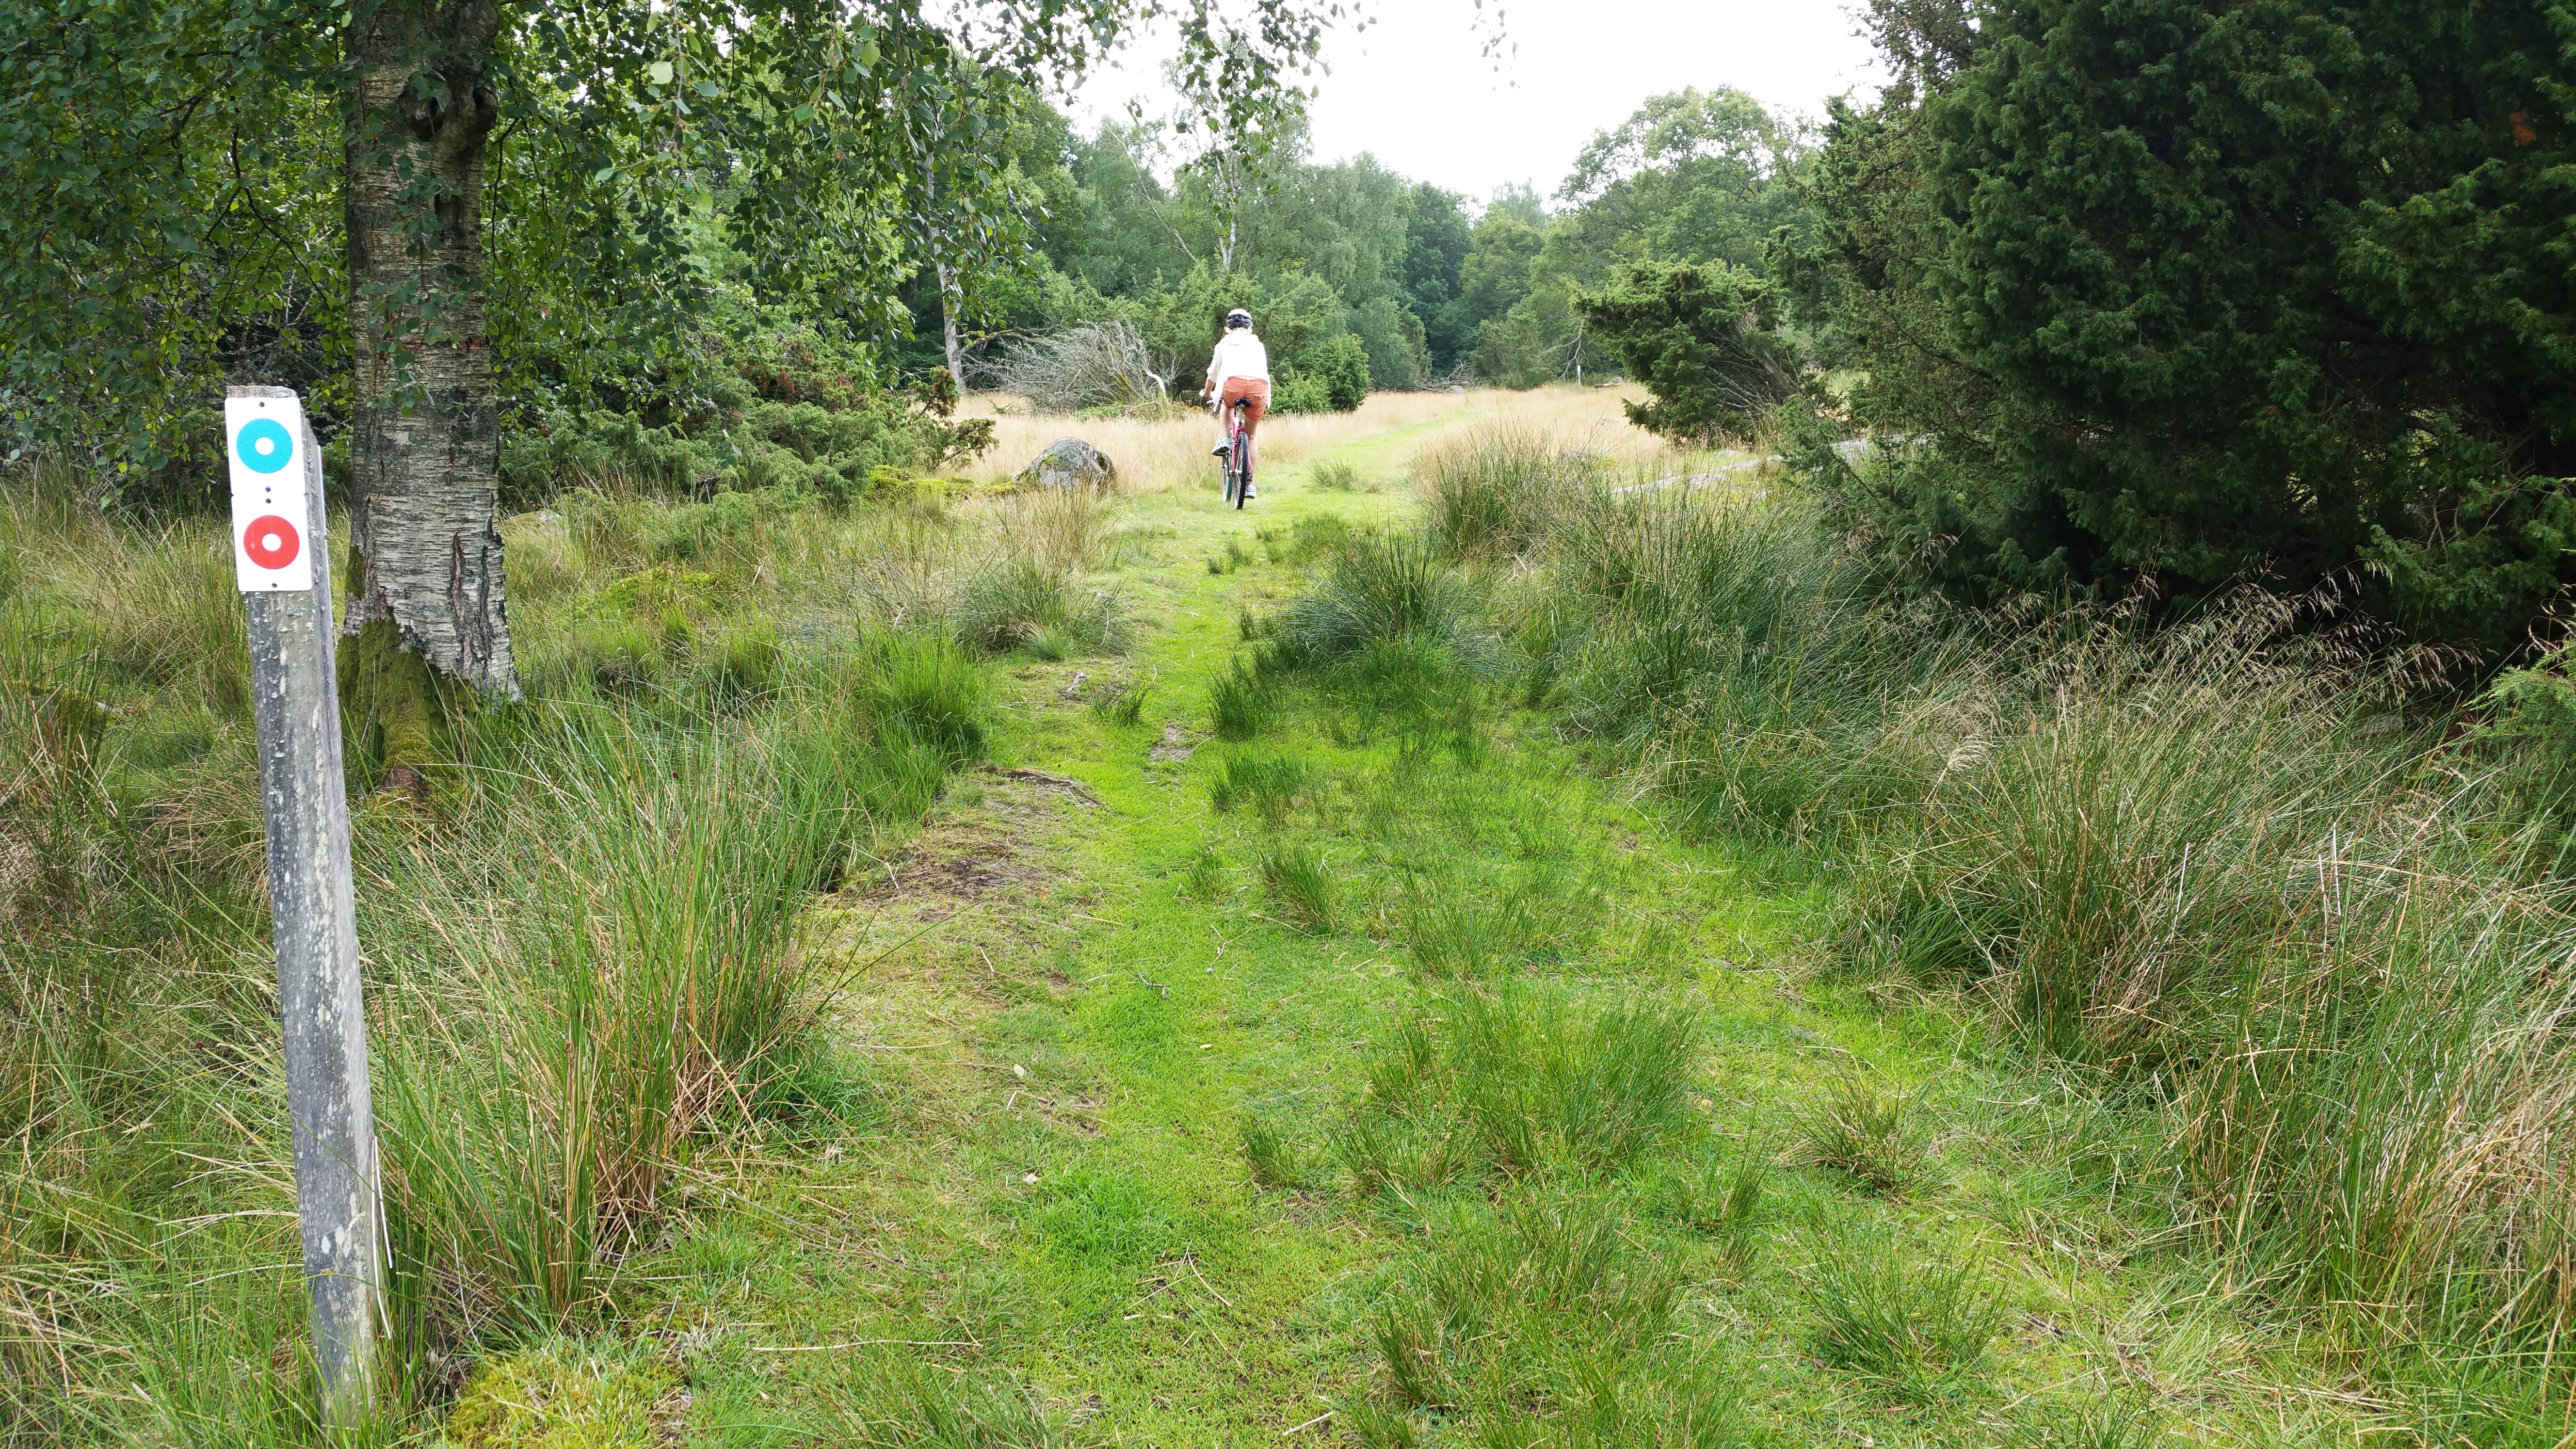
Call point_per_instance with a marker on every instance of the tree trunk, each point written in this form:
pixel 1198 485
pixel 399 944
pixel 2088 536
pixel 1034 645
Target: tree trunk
pixel 949 302
pixel 425 592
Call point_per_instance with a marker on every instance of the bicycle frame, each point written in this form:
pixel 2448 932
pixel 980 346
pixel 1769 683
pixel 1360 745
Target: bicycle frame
pixel 1238 457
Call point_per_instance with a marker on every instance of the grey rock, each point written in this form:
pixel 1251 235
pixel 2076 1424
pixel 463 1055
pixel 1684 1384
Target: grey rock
pixel 1068 463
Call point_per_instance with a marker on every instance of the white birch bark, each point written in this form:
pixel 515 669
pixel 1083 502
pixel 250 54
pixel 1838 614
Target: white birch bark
pixel 426 446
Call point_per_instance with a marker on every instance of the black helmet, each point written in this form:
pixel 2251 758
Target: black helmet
pixel 1237 318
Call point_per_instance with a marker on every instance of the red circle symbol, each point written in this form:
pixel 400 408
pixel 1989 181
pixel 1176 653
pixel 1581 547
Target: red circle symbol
pixel 271 541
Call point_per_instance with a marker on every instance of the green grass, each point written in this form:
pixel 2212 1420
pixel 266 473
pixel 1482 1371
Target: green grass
pixel 1269 784
pixel 1584 1145
pixel 1302 886
pixel 1335 474
pixel 1272 1156
pixel 1402 1060
pixel 1241 704
pixel 1912 1328
pixel 1721 1196
pixel 1861 1128
pixel 580 959
pixel 1121 703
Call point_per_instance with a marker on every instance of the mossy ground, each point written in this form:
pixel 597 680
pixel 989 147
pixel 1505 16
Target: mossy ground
pixel 1068 995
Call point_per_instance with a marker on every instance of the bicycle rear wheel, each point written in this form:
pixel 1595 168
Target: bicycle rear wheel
pixel 1238 469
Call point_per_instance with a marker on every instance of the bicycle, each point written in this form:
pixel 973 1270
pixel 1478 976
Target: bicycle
pixel 1238 459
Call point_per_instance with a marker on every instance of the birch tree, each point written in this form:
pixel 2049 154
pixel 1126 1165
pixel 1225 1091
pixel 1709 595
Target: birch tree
pixel 119 121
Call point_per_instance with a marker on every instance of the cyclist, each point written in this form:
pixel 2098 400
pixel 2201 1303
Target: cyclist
pixel 1239 372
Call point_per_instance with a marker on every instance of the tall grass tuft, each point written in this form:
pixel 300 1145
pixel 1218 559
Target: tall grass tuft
pixel 1539 1322
pixel 1121 704
pixel 1013 602
pixel 1525 1079
pixel 1492 491
pixel 1874 1135
pixel 1380 592
pixel 921 692
pixel 1242 704
pixel 583 962
pixel 1720 1196
pixel 1270 784
pixel 2234 856
pixel 601 964
pixel 2096 1423
pixel 1914 1327
pixel 1274 1160
pixel 922 1407
pixel 1480 928
pixel 1302 886
pixel 1539 1080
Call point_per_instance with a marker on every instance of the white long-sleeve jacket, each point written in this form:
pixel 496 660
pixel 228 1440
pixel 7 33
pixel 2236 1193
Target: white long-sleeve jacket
pixel 1238 354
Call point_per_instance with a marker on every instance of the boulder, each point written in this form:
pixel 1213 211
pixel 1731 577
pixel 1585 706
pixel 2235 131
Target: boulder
pixel 1068 463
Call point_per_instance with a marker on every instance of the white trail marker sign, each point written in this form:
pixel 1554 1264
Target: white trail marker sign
pixel 282 558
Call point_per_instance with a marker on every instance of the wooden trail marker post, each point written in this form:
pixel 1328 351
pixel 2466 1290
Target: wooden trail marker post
pixel 282 558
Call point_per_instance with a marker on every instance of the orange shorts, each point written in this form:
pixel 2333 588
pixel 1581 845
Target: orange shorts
pixel 1252 392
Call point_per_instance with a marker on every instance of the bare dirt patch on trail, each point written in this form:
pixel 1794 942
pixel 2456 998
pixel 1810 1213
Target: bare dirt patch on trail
pixel 954 927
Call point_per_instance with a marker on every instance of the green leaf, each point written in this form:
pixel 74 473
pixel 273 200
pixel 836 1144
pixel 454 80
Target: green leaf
pixel 805 112
pixel 660 71
pixel 602 174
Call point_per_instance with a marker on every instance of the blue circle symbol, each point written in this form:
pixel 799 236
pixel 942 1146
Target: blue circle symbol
pixel 264 446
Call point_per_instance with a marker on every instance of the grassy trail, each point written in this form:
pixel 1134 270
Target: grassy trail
pixel 1071 991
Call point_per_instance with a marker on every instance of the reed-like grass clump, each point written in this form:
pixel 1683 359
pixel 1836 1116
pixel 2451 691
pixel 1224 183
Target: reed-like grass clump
pixel 1538 1318
pixel 581 956
pixel 1912 1327
pixel 1523 1080
pixel 2238 858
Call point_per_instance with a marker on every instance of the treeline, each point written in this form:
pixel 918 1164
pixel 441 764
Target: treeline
pixel 653 323
pixel 2143 301
pixel 1430 286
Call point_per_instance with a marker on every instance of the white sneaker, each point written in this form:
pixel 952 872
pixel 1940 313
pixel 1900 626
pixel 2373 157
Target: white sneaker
pixel 1250 492
pixel 1217 452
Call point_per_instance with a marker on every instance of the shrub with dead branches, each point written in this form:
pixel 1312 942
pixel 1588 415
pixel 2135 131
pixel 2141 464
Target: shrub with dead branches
pixel 1096 364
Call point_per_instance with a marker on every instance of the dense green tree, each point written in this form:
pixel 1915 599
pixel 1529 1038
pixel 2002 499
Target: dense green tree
pixel 1704 338
pixel 1436 238
pixel 135 140
pixel 1331 374
pixel 1692 176
pixel 1126 242
pixel 1313 250
pixel 998 275
pixel 1494 275
pixel 1521 203
pixel 2271 287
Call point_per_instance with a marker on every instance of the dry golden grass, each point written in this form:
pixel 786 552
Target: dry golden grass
pixel 1156 454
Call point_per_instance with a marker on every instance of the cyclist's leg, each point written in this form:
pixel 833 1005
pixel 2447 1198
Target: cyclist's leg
pixel 1256 403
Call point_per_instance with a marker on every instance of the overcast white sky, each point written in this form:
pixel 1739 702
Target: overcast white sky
pixel 1412 89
